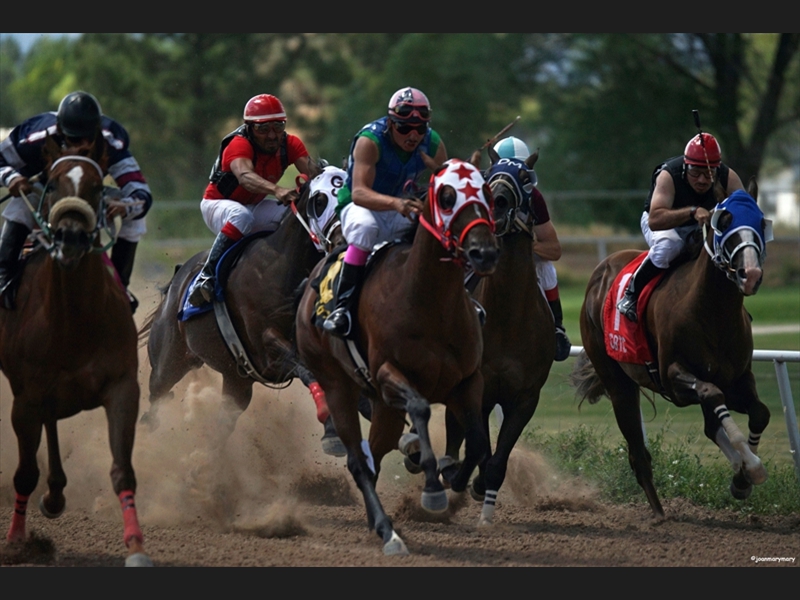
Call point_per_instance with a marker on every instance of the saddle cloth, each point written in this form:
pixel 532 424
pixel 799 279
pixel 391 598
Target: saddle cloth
pixel 626 340
pixel 224 267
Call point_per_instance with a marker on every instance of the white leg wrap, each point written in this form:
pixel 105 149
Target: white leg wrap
pixel 487 512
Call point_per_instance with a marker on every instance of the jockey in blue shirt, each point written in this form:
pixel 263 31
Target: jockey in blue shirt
pixel 386 157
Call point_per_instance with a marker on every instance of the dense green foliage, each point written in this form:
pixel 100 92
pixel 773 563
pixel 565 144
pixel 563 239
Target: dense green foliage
pixel 603 108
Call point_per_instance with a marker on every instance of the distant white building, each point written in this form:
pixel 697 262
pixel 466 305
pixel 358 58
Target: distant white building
pixel 778 195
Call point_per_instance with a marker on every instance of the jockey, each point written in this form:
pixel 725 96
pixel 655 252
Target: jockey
pixel 79 121
pixel 681 196
pixel 243 194
pixel 386 156
pixel 546 247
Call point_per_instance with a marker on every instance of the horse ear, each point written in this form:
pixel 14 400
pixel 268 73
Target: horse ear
pixel 493 155
pixel 316 167
pixel 51 150
pixel 475 159
pixel 752 188
pixel 531 160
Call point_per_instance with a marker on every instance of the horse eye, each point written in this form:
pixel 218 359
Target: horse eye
pixel 447 198
pixel 501 202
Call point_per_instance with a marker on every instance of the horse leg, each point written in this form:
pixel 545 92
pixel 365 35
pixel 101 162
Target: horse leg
pixel 170 361
pixel 362 467
pixel 454 438
pixel 121 413
pixel 397 392
pixel 52 503
pixel 689 388
pixel 516 417
pixel 331 443
pixel 29 436
pixel 466 406
pixel 237 392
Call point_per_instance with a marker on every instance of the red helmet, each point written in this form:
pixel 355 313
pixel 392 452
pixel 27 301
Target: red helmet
pixel 410 105
pixel 705 152
pixel 263 108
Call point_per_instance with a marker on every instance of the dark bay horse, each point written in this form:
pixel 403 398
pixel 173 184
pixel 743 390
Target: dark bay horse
pixel 700 338
pixel 259 298
pixel 420 338
pixel 518 335
pixel 71 344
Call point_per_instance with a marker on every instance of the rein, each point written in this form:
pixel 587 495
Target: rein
pixel 45 234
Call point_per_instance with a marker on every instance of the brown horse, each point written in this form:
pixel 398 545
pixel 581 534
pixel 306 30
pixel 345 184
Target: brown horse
pixel 420 338
pixel 71 346
pixel 699 334
pixel 518 335
pixel 259 300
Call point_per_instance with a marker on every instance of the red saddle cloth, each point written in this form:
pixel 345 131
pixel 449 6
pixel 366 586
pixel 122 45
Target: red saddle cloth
pixel 625 340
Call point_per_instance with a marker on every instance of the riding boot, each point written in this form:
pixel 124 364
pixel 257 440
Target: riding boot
pixel 12 239
pixel 645 273
pixel 122 256
pixel 563 345
pixel 339 322
pixel 203 290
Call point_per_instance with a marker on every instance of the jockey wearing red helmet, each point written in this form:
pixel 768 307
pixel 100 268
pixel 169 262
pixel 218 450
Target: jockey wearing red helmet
pixel 243 195
pixel 680 200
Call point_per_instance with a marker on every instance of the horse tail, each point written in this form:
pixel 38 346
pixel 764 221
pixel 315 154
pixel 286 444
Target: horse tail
pixel 585 380
pixel 144 331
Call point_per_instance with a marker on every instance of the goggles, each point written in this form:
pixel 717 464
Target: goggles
pixel 406 128
pixel 696 171
pixel 276 126
pixel 404 111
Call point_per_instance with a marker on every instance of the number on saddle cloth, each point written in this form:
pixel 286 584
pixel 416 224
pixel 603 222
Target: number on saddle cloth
pixel 325 284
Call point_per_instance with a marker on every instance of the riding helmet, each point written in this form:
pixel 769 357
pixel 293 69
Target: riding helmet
pixel 264 108
pixel 79 115
pixel 409 105
pixel 703 150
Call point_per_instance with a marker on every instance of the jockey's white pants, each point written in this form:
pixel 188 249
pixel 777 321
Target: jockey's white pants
pixel 365 228
pixel 666 244
pixel 246 218
pixel 545 272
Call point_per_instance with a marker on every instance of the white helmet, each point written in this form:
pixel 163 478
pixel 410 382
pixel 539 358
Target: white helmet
pixel 512 147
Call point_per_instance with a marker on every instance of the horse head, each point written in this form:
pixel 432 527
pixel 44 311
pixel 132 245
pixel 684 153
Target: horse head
pixel 737 239
pixel 72 199
pixel 320 208
pixel 511 182
pixel 459 213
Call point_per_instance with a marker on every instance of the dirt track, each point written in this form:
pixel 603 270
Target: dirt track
pixel 268 496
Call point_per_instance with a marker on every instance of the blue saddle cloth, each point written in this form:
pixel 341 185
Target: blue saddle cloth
pixel 224 267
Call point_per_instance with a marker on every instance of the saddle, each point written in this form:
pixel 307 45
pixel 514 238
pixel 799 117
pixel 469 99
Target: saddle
pixel 224 267
pixel 625 340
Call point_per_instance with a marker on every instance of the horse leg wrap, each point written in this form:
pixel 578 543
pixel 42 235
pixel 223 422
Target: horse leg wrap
pixel 16 532
pixel 318 394
pixel 131 521
pixel 487 511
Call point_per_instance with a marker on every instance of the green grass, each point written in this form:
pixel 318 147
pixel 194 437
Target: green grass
pixel 585 452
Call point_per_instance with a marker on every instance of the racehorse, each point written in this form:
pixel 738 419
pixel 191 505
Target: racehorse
pixel 71 344
pixel 518 334
pixel 257 311
pixel 418 341
pixel 699 338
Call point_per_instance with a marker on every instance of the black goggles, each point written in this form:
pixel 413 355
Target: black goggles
pixel 404 111
pixel 405 128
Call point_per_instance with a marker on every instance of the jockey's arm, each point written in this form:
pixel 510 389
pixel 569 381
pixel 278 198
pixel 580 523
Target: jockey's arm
pixel 734 183
pixel 255 184
pixel 545 242
pixel 662 216
pixel 365 159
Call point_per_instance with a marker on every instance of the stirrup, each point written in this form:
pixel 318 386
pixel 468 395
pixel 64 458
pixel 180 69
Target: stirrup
pixel 627 306
pixel 202 292
pixel 563 345
pixel 338 322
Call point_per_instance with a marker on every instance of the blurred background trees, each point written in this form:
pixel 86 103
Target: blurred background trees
pixel 604 109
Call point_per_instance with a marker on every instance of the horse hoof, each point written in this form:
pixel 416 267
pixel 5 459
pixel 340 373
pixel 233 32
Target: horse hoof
pixel 741 493
pixel 333 446
pixel 411 466
pixel 150 420
pixel 757 475
pixel 434 502
pixel 408 444
pixel 49 514
pixel 395 546
pixel 476 495
pixel 138 560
